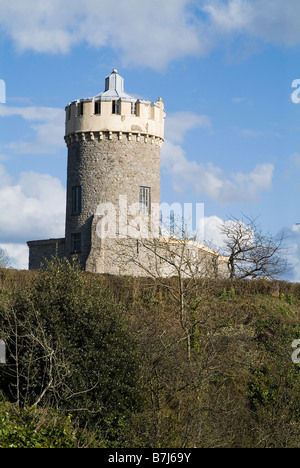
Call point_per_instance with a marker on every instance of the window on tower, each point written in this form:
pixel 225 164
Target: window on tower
pixel 115 107
pixel 76 243
pixel 76 200
pixel 98 107
pixel 79 109
pixel 145 199
pixel 134 108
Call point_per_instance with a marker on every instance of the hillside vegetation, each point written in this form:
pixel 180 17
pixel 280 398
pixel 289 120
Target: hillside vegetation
pixel 103 361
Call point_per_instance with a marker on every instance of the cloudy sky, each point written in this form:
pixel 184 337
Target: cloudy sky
pixel 226 70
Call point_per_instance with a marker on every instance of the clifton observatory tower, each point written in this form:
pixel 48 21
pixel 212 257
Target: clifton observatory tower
pixel 114 143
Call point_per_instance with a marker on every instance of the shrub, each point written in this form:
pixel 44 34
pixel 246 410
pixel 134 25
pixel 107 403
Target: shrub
pixel 34 428
pixel 69 347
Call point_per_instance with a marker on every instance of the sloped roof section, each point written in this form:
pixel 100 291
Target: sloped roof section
pixel 114 88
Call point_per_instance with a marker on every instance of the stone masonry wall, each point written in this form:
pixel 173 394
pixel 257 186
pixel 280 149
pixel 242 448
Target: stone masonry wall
pixel 105 169
pixel 42 251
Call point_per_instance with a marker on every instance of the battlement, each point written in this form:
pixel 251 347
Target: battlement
pixel 116 112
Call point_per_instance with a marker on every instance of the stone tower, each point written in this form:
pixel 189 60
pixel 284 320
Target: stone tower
pixel 114 143
pixel 113 192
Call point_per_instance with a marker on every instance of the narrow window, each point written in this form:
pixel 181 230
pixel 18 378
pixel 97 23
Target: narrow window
pixel 69 113
pixel 76 243
pixel 79 109
pixel 145 199
pixel 133 108
pixel 115 107
pixel 76 200
pixel 98 107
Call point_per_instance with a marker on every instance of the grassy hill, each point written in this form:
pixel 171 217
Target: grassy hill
pixel 95 360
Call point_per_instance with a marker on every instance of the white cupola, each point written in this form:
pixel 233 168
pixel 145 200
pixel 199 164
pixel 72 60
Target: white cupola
pixel 114 88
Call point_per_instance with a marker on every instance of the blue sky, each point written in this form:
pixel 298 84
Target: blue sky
pixel 224 70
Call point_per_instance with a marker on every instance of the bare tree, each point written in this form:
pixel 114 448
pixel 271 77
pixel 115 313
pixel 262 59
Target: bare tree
pixel 30 350
pixel 176 262
pixel 251 253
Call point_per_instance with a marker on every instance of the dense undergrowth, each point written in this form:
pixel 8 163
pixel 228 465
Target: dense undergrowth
pixel 103 361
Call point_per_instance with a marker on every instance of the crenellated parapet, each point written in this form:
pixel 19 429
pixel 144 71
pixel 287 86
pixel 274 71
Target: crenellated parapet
pixel 114 111
pixel 109 135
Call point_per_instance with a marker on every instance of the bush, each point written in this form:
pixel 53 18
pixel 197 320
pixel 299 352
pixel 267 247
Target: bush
pixel 33 428
pixel 111 351
pixel 69 347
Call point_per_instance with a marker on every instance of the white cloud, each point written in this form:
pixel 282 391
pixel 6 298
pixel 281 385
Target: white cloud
pixel 212 181
pixel 212 232
pixel 5 177
pixel 251 133
pixel 32 207
pixel 248 132
pixel 151 34
pixel 293 254
pixel 295 159
pixel 47 123
pixel 206 178
pixel 17 254
pixel 147 33
pixel 240 100
pixel 270 20
pixel 179 123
